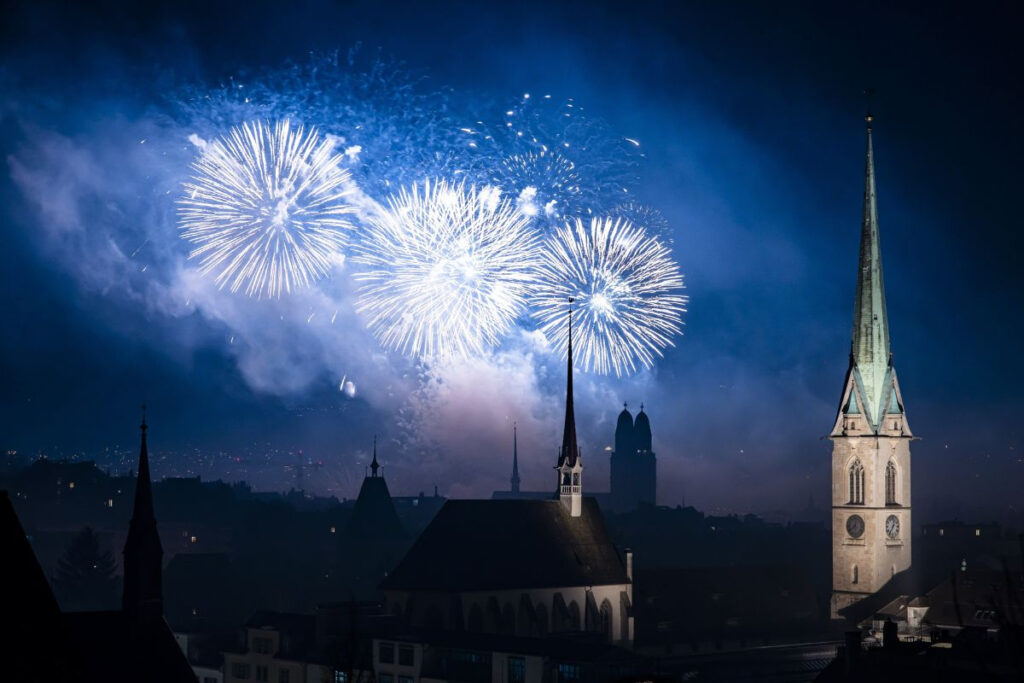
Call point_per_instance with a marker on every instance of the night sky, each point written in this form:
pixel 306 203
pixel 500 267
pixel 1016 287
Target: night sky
pixel 751 121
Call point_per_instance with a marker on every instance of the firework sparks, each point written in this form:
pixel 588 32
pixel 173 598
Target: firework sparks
pixel 446 270
pixel 545 182
pixel 267 208
pixel 559 160
pixel 626 287
pixel 644 216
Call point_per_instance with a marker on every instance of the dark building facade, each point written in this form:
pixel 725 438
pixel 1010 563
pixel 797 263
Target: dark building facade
pixel 634 465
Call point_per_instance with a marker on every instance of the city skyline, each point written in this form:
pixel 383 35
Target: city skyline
pixel 757 172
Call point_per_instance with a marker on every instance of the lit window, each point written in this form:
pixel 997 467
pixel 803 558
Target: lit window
pixel 977 532
pixel 942 532
pixel 333 530
pixel 340 677
pixel 194 539
pixel 516 670
pixel 71 485
pixel 569 672
pixel 110 502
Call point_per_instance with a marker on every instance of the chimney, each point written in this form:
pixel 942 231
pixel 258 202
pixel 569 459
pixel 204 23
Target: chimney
pixel 852 651
pixel 890 635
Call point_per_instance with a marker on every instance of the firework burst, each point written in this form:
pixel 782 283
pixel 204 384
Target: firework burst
pixel 267 208
pixel 626 287
pixel 545 183
pixel 446 270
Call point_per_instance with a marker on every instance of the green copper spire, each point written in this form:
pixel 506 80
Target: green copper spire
pixel 870 350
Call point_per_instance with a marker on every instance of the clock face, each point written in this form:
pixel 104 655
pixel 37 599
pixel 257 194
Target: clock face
pixel 854 526
pixel 892 526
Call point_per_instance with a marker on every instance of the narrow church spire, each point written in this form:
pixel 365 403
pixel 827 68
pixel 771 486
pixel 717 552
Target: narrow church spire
pixel 143 553
pixel 570 465
pixel 373 465
pixel 870 343
pixel 515 460
pixel 570 449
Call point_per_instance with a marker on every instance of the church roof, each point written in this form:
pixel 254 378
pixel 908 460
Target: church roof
pixel 642 431
pixel 480 545
pixel 870 344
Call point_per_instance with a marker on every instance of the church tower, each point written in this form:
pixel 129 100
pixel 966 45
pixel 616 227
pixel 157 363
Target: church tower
pixel 142 599
pixel 871 521
pixel 570 465
pixel 645 476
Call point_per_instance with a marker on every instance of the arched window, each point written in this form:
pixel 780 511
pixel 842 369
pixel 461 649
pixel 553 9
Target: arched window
pixel 856 483
pixel 890 483
pixel 606 619
pixel 475 623
pixel 574 616
pixel 855 574
pixel 542 620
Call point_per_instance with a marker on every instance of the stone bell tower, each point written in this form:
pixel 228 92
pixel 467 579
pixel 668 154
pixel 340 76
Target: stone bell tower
pixel 871 438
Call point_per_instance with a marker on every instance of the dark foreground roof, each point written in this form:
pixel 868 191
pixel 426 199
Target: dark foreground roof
pixel 113 648
pixel 478 545
pixel 46 645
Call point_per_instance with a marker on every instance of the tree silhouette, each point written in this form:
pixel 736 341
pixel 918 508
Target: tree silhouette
pixel 85 574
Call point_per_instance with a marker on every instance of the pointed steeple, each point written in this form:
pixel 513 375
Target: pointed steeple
pixel 870 352
pixel 570 465
pixel 515 460
pixel 373 465
pixel 570 450
pixel 143 554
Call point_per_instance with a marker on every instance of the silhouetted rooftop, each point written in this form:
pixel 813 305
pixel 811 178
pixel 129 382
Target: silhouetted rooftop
pixel 505 544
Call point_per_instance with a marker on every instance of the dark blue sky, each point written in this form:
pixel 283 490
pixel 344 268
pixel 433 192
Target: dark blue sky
pixel 750 117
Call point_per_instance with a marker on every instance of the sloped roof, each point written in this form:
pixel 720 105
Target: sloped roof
pixel 477 545
pixel 30 609
pixel 374 512
pixel 113 647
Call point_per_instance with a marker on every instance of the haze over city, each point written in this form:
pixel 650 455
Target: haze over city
pixel 750 142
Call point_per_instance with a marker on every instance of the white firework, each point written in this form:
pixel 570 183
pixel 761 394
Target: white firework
pixel 267 209
pixel 545 183
pixel 446 270
pixel 627 290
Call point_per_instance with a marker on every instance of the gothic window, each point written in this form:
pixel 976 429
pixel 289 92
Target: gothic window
pixel 606 619
pixel 476 619
pixel 574 616
pixel 890 483
pixel 856 483
pixel 855 574
pixel 576 479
